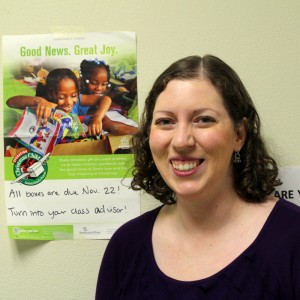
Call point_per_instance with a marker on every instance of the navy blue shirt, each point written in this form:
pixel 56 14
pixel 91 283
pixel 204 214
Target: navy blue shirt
pixel 269 269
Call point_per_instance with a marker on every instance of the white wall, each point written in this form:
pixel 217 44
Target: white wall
pixel 259 39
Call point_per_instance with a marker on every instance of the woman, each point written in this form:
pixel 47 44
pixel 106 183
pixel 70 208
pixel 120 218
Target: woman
pixel 220 234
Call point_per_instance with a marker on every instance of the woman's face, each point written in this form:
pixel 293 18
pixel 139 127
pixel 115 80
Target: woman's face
pixel 67 95
pixel 192 139
pixel 98 81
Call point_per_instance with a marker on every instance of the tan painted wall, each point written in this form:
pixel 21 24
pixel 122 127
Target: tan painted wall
pixel 259 39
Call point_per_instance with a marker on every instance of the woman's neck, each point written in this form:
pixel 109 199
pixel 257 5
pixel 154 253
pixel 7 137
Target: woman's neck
pixel 208 214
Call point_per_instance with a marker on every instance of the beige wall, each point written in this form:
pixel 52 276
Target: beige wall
pixel 259 39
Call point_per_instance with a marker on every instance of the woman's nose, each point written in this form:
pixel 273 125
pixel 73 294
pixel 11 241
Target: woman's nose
pixel 183 137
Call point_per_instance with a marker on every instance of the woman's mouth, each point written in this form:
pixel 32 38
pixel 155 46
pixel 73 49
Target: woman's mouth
pixel 187 165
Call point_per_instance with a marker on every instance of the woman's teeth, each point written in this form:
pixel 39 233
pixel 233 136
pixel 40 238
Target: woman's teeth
pixel 186 166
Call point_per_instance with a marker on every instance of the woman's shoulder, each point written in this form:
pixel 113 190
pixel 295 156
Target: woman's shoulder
pixel 288 211
pixel 274 257
pixel 283 226
pixel 289 220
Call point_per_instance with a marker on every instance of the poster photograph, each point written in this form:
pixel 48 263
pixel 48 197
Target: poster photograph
pixel 70 109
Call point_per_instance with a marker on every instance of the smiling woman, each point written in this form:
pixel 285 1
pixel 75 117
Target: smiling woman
pixel 220 232
pixel 201 79
pixel 194 138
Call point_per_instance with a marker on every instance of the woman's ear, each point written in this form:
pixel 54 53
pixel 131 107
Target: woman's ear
pixel 241 134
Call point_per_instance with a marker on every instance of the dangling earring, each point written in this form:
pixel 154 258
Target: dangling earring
pixel 237 158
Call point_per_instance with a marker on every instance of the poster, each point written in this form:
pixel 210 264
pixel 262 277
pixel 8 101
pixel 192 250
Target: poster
pixel 61 181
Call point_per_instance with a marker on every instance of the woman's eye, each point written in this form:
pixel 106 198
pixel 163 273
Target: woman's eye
pixel 205 119
pixel 163 122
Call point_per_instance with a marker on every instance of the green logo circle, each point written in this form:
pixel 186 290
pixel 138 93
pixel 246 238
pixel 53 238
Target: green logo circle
pixel 30 168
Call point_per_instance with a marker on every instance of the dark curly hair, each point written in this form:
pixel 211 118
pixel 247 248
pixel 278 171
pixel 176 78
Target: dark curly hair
pixel 254 178
pixel 87 68
pixel 49 90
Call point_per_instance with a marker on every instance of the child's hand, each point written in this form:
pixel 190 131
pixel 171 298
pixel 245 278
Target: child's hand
pixel 43 109
pixel 95 127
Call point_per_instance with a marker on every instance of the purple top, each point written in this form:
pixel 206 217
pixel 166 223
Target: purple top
pixel 268 269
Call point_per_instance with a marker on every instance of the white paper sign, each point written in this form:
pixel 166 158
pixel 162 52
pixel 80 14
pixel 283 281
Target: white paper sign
pixel 290 189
